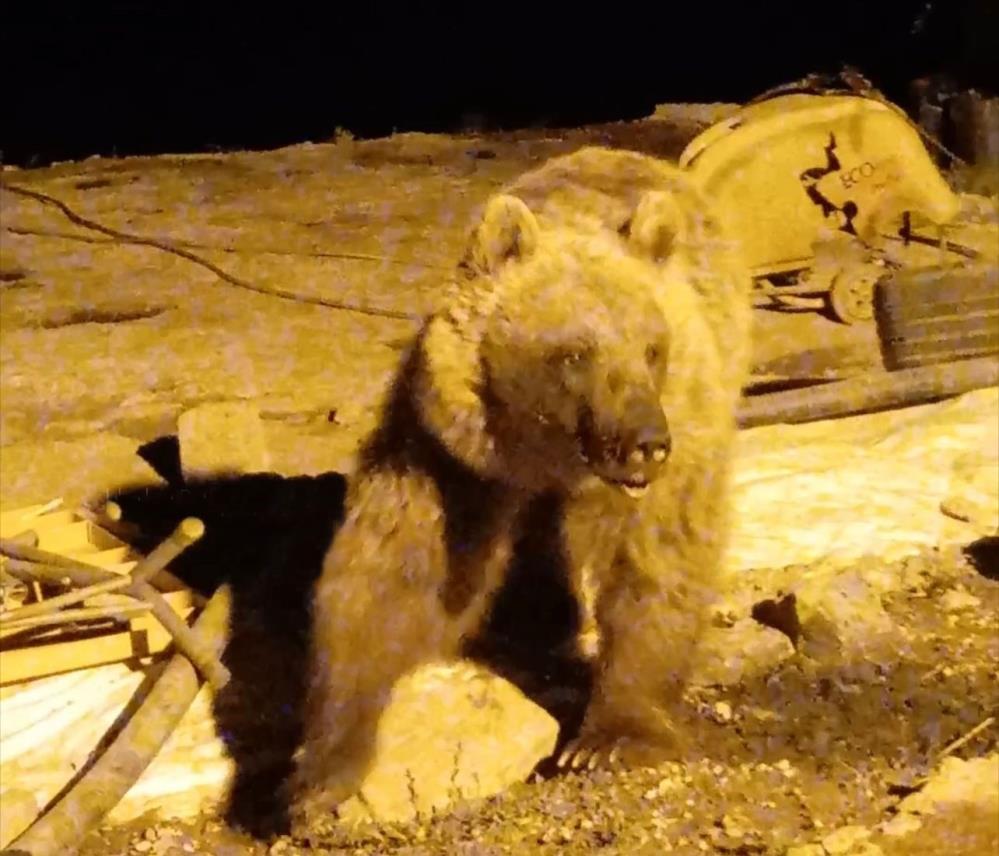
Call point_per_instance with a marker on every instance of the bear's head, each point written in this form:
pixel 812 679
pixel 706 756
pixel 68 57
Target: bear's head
pixel 575 353
pixel 571 347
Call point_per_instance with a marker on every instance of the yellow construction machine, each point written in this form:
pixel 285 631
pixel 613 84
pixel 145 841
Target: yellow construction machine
pixel 830 193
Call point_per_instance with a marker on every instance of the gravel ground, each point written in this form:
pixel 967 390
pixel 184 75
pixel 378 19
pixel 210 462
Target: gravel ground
pixel 809 753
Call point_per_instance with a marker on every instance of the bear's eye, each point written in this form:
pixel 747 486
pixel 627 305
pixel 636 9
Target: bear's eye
pixel 653 354
pixel 570 357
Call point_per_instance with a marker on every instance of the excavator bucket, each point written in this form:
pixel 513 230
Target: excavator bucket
pixel 791 170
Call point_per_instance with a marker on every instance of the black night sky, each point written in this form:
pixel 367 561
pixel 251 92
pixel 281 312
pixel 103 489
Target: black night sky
pixel 145 77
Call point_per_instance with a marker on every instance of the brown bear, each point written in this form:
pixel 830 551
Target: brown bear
pixel 597 352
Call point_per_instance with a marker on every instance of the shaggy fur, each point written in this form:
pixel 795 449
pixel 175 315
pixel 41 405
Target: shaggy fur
pixel 597 351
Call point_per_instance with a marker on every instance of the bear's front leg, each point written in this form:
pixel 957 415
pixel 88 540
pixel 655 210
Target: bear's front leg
pixel 651 610
pixel 376 615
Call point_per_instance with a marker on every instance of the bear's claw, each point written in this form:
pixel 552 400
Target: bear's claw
pixel 588 753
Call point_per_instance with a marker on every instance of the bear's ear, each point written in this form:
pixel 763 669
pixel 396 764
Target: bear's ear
pixel 656 226
pixel 508 231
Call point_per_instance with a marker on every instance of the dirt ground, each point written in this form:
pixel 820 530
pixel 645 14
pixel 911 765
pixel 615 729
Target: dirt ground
pixel 104 344
pixel 102 337
pixel 807 750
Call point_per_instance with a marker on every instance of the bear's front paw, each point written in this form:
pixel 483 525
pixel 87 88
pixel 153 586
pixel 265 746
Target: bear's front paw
pixel 645 741
pixel 591 751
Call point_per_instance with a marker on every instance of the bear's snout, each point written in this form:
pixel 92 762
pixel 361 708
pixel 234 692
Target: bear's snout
pixel 630 451
pixel 651 445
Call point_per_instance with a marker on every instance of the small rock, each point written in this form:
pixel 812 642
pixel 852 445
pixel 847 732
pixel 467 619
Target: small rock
pixel 143 846
pixel 901 825
pixel 664 787
pixel 731 655
pixel 735 825
pixel 957 600
pixel 956 781
pixel 974 492
pixel 784 766
pixel 845 840
pixel 842 617
pixel 806 850
pixel 723 711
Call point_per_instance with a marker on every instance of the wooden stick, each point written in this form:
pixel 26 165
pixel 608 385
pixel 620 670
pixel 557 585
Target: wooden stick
pixel 951 748
pixel 187 532
pixel 24 552
pixel 110 518
pixel 122 612
pixel 28 538
pixel 184 638
pixel 870 392
pixel 68 599
pixel 78 575
pixel 100 786
pixel 48 565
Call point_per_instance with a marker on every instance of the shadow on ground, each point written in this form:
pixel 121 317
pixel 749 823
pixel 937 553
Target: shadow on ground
pixel 266 536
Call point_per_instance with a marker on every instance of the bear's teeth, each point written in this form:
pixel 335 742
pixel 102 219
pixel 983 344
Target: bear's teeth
pixel 635 492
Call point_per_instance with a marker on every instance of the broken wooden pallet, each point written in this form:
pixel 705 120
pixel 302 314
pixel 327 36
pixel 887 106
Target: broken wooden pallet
pixel 77 601
pixel 70 534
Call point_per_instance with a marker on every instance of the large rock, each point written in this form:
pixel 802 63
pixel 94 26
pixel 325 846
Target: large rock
pixel 451 731
pixel 954 782
pixel 842 618
pixel 222 439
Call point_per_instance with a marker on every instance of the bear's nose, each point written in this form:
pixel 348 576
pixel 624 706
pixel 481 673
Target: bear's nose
pixel 645 443
pixel 650 448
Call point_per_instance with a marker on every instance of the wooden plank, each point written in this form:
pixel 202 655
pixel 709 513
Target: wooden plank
pixel 13 517
pixel 16 520
pixel 40 661
pixel 38 523
pixel 67 533
pixel 102 539
pixel 57 528
pixel 70 537
pixel 144 638
pixel 111 559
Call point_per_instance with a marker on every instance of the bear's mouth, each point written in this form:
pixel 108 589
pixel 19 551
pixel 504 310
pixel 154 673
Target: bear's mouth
pixel 599 456
pixel 634 486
